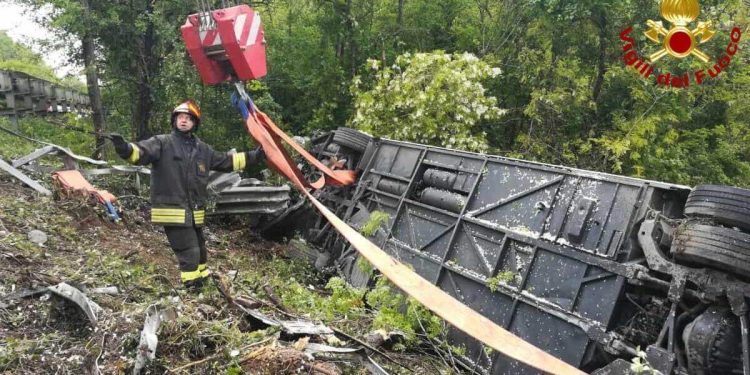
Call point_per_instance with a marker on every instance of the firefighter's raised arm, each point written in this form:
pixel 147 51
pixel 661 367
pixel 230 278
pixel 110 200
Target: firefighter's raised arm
pixel 140 153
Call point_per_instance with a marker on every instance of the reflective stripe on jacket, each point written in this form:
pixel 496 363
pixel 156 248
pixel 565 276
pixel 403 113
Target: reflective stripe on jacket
pixel 179 175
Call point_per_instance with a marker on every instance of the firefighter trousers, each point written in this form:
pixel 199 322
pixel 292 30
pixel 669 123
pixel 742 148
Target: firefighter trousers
pixel 189 245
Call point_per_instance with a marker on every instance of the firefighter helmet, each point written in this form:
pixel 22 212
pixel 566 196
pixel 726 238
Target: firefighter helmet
pixel 191 108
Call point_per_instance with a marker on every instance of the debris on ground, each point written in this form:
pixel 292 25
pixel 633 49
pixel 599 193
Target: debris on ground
pixel 74 296
pixel 146 350
pixel 37 237
pixel 93 300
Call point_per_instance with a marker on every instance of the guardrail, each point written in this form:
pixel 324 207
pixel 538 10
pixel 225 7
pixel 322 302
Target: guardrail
pixel 22 94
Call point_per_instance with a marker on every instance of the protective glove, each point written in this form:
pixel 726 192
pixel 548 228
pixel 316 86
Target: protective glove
pixel 122 147
pixel 256 156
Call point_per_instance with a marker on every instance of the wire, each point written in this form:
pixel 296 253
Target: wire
pixel 81 130
pixel 17 134
pixel 24 137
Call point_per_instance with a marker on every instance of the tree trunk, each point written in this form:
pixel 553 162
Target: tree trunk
pixel 601 68
pixel 92 84
pixel 400 17
pixel 146 66
pixel 352 43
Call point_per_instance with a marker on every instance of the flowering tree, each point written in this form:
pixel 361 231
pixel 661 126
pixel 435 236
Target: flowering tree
pixel 433 98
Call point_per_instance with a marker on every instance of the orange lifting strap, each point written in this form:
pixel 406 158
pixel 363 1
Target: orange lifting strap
pixel 263 130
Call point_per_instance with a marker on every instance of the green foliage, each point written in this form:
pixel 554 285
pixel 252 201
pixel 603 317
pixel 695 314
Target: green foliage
pixel 291 281
pixel 14 348
pixel 376 220
pixel 395 311
pixel 10 50
pixel 18 57
pixel 44 129
pixel 569 98
pixel 13 147
pixel 365 266
pixel 434 98
pixel 505 277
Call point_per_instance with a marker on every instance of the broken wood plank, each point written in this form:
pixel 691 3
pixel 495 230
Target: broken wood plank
pixel 24 178
pixel 36 154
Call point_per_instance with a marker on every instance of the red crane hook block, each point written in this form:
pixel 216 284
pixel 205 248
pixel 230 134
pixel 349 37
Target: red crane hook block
pixel 226 44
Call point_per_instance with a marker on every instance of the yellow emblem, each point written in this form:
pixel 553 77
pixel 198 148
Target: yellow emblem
pixel 679 41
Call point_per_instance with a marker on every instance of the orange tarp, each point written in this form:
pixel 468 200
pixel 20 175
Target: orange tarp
pixel 73 181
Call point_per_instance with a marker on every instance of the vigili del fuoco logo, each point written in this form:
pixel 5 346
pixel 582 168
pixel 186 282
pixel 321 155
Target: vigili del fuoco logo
pixel 679 41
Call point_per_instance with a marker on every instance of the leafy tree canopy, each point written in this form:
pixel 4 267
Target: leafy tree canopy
pixel 434 98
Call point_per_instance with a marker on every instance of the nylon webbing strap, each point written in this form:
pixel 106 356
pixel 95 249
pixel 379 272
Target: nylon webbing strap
pixel 265 132
pixel 429 295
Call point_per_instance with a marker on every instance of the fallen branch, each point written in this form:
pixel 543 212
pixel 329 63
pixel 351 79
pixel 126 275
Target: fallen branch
pixel 316 368
pixel 247 303
pixel 272 296
pixel 191 364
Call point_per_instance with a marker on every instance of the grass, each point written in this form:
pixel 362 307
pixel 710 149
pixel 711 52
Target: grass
pixel 505 277
pixel 376 220
pixel 41 129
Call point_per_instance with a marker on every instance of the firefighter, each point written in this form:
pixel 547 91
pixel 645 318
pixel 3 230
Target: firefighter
pixel 180 163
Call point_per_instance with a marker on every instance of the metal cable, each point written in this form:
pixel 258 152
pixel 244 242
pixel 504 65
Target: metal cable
pixel 17 134
pixel 23 136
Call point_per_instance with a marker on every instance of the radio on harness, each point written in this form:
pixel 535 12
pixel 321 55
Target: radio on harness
pixel 226 44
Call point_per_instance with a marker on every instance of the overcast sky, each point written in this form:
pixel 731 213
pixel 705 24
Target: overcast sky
pixel 22 28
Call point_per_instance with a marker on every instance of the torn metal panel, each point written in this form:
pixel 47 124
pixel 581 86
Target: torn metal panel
pixel 25 179
pixel 359 353
pixel 149 338
pixel 290 327
pixel 117 169
pixel 89 307
pixel 301 327
pixel 219 181
pixel 36 154
pixel 53 149
pixel 263 318
pixel 111 290
pixel 253 199
pixel 69 153
pixel 312 348
pixel 13 298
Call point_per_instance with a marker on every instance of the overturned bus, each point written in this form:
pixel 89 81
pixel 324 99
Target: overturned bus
pixel 590 267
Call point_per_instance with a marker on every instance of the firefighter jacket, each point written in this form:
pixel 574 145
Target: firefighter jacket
pixel 179 174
